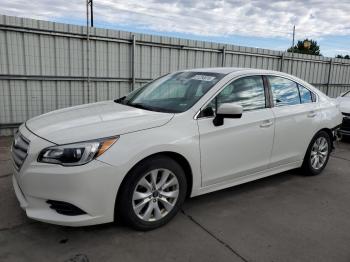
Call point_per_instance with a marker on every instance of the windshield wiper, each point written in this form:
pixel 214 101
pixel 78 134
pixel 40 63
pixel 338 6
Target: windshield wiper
pixel 141 106
pixel 120 100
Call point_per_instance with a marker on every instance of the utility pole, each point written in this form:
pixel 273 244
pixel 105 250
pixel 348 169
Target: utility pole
pixel 91 14
pixel 132 88
pixel 88 2
pixel 293 50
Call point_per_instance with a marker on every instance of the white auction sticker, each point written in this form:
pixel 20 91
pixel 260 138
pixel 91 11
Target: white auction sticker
pixel 203 78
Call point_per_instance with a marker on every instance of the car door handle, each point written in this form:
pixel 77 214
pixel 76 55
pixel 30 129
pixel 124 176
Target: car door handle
pixel 311 114
pixel 266 123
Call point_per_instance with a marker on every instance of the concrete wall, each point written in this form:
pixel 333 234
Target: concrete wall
pixel 46 66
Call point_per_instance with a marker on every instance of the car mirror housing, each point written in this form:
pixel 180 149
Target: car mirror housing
pixel 227 110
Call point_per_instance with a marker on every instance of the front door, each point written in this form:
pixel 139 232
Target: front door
pixel 241 146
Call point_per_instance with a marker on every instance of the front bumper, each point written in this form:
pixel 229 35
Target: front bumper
pixel 91 187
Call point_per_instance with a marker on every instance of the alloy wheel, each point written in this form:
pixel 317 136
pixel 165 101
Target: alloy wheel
pixel 319 153
pixel 155 195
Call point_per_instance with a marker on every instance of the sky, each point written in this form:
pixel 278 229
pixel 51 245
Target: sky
pixel 255 23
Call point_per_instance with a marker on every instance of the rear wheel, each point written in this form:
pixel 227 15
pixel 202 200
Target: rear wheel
pixel 152 193
pixel 317 155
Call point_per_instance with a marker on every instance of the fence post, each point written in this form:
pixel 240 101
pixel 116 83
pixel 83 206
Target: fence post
pixel 223 60
pixel 329 75
pixel 133 63
pixel 282 62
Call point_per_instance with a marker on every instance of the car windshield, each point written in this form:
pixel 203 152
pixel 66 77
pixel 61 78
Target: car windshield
pixel 173 93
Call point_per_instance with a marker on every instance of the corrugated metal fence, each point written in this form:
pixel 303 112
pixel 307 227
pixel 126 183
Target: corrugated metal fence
pixel 46 65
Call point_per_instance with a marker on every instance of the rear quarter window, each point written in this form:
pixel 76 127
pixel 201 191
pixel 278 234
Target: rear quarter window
pixel 306 96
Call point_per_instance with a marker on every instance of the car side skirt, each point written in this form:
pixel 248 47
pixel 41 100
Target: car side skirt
pixel 246 179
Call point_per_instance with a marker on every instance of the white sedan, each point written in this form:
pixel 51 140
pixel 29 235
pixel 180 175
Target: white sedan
pixel 344 106
pixel 185 134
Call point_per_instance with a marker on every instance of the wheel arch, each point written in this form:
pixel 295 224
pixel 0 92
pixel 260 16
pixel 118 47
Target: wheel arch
pixel 331 136
pixel 180 159
pixel 306 166
pixel 329 132
pixel 325 129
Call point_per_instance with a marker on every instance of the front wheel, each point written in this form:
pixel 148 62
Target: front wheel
pixel 152 193
pixel 317 155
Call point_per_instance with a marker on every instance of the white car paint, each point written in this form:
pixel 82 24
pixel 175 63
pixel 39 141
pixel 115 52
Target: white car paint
pixel 96 120
pixel 217 143
pixel 261 143
pixel 344 102
pixel 344 106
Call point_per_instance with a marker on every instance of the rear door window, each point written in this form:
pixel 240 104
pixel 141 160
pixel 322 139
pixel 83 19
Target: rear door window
pixel 285 92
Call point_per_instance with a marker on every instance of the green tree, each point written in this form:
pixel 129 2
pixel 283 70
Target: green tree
pixel 314 48
pixel 341 56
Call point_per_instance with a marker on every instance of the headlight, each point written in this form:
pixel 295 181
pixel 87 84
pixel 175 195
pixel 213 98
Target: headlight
pixel 76 154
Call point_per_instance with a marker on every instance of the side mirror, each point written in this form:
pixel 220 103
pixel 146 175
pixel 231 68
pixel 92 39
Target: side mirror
pixel 227 110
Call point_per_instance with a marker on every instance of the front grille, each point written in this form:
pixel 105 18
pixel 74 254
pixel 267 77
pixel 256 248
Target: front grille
pixel 19 150
pixel 65 208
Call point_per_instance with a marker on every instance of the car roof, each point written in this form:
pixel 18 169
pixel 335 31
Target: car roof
pixel 229 70
pixel 238 70
pixel 221 70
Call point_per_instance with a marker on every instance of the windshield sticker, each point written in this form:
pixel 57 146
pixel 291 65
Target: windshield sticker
pixel 203 78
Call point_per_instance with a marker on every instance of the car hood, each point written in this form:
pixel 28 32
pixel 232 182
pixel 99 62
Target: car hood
pixel 344 105
pixel 92 121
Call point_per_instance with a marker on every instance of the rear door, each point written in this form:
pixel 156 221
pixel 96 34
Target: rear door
pixel 295 120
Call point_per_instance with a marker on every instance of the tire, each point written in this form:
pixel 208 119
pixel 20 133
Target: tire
pixel 316 151
pixel 139 193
